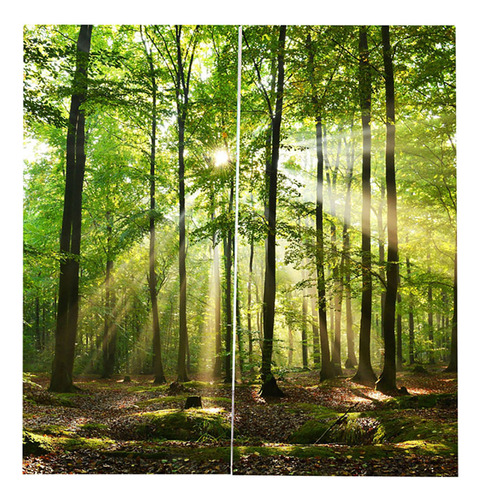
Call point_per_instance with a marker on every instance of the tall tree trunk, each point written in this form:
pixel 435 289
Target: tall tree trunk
pixel 217 313
pixel 110 328
pixel 315 331
pixel 351 360
pixel 412 358
pixel 67 316
pixel 249 300
pixel 337 288
pixel 304 333
pixel 38 333
pixel 158 369
pixel 430 318
pixel 382 256
pixel 453 360
pixel 181 362
pixel 269 384
pixel 387 380
pixel 365 373
pixel 182 95
pixel 228 247
pixel 399 326
pixel 327 369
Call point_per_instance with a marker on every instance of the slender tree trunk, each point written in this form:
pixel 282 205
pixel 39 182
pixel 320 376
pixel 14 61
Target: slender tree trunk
pixel 327 370
pixel 181 362
pixel 412 358
pixel 110 330
pixel 217 314
pixel 249 301
pixel 387 380
pixel 399 326
pixel 291 345
pixel 453 360
pixel 240 340
pixel 158 369
pixel 351 361
pixel 382 256
pixel 337 288
pixel 182 94
pixel 67 315
pixel 38 333
pixel 430 319
pixel 269 384
pixel 228 307
pixel 228 247
pixel 304 333
pixel 315 331
pixel 365 373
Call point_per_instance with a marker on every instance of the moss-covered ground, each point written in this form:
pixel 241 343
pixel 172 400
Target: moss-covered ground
pixel 334 428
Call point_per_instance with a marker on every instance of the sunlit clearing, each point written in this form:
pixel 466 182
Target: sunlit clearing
pixel 220 157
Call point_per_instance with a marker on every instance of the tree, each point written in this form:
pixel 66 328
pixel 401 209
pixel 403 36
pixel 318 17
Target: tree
pixel 365 373
pixel 453 358
pixel 159 377
pixel 387 380
pixel 327 369
pixel 67 319
pixel 269 384
pixel 351 360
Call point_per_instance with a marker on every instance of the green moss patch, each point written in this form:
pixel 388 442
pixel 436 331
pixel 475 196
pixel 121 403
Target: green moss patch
pixel 388 427
pixel 80 443
pixel 351 430
pixel 423 401
pixel 35 444
pixel 53 430
pixel 395 427
pixel 184 425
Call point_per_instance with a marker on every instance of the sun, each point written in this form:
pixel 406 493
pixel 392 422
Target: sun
pixel 220 157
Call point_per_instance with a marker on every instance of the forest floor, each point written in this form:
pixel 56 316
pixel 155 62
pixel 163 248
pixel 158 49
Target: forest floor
pixel 337 428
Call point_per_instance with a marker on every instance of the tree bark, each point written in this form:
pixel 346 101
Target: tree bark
pixel 410 316
pixel 430 318
pixel 217 313
pixel 249 301
pixel 315 332
pixel 399 326
pixel 228 306
pixel 327 370
pixel 365 373
pixel 67 315
pixel 351 360
pixel 387 380
pixel 453 360
pixel 110 327
pixel 269 384
pixel 304 333
pixel 182 91
pixel 159 377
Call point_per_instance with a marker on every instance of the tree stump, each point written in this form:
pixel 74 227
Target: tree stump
pixel 175 388
pixel 193 402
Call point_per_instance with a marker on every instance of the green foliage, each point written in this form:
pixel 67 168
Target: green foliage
pixel 116 211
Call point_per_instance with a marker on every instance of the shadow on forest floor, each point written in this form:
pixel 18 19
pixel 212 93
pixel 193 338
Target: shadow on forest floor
pixel 334 428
